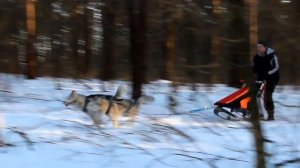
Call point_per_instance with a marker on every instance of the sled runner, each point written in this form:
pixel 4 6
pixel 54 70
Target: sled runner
pixel 235 105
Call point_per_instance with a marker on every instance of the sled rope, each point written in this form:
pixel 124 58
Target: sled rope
pixel 201 109
pixel 187 112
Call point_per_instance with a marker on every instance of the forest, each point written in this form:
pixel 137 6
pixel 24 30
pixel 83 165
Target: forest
pixel 198 43
pixel 186 41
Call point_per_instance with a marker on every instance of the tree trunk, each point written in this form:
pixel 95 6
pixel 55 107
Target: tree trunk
pixel 87 36
pixel 75 33
pixel 215 46
pixel 163 70
pixel 170 49
pixel 137 19
pixel 56 45
pixel 253 27
pixel 256 128
pixel 295 57
pixel 238 43
pixel 31 55
pixel 169 43
pixel 108 40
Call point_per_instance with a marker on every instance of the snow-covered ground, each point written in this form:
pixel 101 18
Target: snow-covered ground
pixel 42 133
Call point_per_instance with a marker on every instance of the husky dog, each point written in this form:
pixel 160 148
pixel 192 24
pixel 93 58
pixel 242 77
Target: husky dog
pixel 123 107
pixel 90 104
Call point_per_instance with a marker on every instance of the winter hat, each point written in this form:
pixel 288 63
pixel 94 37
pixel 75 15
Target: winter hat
pixel 262 43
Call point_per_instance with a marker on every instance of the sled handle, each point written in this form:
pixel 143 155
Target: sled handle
pixel 261 87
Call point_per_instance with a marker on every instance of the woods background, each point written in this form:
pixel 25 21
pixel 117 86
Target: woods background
pixel 207 41
pixel 188 41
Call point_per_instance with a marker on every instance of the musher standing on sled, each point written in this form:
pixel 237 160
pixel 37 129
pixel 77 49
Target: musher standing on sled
pixel 266 68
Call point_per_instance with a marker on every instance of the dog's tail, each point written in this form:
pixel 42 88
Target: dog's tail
pixel 144 99
pixel 136 104
pixel 121 91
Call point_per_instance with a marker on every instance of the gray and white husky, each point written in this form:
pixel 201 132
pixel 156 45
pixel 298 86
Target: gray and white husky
pixel 90 104
pixel 95 106
pixel 123 107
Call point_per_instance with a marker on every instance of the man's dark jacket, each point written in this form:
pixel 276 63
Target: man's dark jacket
pixel 266 67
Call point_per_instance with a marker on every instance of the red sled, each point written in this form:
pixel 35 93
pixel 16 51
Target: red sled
pixel 235 105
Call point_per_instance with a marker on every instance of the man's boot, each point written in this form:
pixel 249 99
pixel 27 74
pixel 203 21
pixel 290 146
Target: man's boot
pixel 261 116
pixel 270 115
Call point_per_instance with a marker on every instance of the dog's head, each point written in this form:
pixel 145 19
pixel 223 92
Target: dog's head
pixel 104 104
pixel 71 98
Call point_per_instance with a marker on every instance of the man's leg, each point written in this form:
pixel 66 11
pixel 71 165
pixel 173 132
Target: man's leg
pixel 268 99
pixel 269 104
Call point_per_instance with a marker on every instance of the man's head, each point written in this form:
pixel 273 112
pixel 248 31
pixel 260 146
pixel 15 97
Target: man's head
pixel 261 48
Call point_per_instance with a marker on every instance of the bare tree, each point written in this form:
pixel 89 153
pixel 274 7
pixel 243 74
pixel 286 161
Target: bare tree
pixel 257 130
pixel 31 58
pixel 169 24
pixel 253 25
pixel 75 36
pixel 87 36
pixel 215 46
pixel 108 39
pixel 137 21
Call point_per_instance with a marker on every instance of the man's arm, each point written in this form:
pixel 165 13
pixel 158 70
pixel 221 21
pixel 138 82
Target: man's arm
pixel 275 65
pixel 254 66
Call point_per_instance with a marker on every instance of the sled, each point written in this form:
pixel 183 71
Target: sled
pixel 235 105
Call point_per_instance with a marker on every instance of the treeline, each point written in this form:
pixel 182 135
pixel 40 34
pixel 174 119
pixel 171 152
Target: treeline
pixel 208 41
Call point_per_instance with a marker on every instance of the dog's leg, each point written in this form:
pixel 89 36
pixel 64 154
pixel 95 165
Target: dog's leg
pixel 96 117
pixel 132 114
pixel 111 110
pixel 115 115
pixel 97 121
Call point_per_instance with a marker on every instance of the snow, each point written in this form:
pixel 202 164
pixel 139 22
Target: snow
pixel 43 133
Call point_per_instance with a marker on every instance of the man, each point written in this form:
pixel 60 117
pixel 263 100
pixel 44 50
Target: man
pixel 266 68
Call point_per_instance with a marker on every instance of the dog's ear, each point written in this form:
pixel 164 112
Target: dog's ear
pixel 104 103
pixel 74 93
